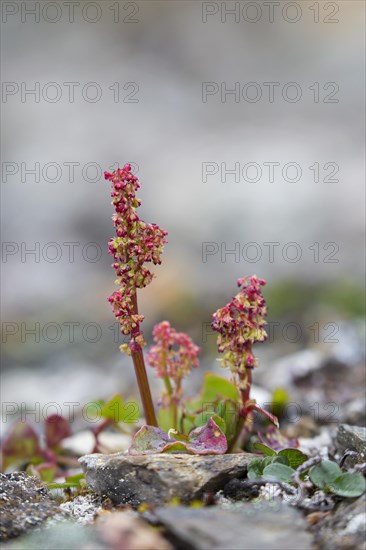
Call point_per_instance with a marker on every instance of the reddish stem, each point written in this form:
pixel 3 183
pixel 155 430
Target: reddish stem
pixel 249 407
pixel 255 407
pixel 141 376
pixel 245 394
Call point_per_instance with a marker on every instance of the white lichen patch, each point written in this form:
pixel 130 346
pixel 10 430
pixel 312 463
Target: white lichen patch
pixel 83 508
pixel 269 491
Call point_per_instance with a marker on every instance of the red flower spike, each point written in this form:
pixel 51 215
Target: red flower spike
pixel 136 243
pixel 173 356
pixel 174 353
pixel 240 324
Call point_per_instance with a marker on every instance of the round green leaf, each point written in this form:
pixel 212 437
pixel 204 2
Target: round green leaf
pixel 271 459
pixel 348 485
pixel 294 456
pixel 279 472
pixel 255 468
pixel 324 473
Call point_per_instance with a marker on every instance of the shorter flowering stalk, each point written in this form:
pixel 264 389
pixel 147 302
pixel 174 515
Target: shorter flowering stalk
pixel 136 243
pixel 240 325
pixel 173 356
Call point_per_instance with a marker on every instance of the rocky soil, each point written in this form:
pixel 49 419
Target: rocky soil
pixel 181 502
pixel 176 502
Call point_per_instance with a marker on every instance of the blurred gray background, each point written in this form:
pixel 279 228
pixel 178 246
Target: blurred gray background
pixel 148 61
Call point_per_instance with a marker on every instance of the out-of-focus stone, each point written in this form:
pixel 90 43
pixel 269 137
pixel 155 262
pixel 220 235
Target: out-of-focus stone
pixel 269 525
pixel 354 439
pixel 159 478
pixel 125 530
pixel 67 534
pixel 345 529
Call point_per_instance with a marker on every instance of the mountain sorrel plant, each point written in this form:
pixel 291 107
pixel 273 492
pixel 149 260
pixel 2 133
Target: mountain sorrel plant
pixel 240 325
pixel 136 244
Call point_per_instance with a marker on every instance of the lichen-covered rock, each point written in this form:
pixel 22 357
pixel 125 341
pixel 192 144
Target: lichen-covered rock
pixel 24 504
pixel 159 478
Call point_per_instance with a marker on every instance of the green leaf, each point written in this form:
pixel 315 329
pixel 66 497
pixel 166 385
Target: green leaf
pixel 177 447
pixel 114 409
pixel 294 457
pixel 255 468
pixel 220 422
pixel 218 397
pixel 76 478
pixel 279 472
pixel 131 411
pixel 280 398
pixel 70 482
pixel 214 388
pixel 177 436
pixel 118 410
pixel 47 472
pixel 225 414
pixel 264 449
pixel 166 418
pixel 271 459
pixel 257 465
pixel 188 422
pixel 324 473
pixel 348 485
pixel 228 410
pixel 93 409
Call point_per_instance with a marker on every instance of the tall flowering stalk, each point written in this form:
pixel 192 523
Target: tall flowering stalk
pixel 173 356
pixel 136 243
pixel 240 325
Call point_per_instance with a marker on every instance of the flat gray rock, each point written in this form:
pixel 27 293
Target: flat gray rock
pixel 156 479
pixel 353 438
pixel 248 526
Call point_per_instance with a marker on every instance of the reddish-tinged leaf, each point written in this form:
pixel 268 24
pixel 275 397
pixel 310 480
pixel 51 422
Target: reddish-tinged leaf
pixel 57 427
pixel 20 444
pixel 149 440
pixel 207 439
pixel 274 439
